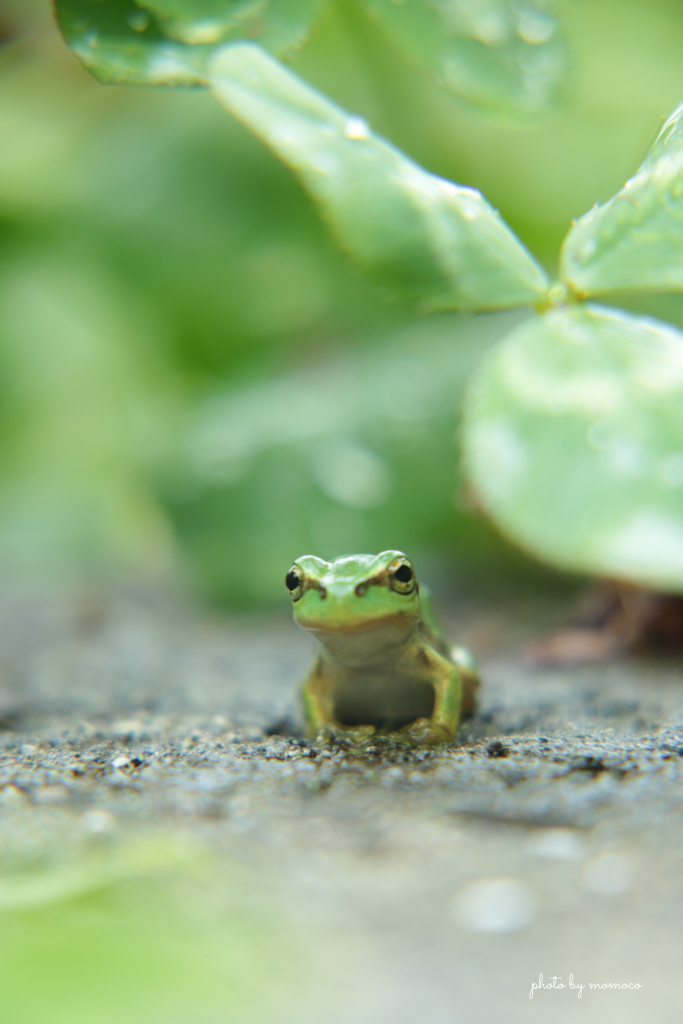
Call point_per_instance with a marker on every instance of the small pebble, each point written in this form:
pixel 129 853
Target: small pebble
pixel 496 749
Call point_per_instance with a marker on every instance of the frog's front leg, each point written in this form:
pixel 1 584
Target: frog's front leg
pixel 442 727
pixel 318 699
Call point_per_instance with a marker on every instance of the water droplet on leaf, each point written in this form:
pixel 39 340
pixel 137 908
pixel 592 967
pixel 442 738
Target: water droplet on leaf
pixel 356 128
pixel 138 20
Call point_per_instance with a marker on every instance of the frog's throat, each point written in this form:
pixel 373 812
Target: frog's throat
pixel 378 641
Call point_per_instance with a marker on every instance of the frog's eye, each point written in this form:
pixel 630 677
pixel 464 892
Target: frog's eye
pixel 402 577
pixel 294 581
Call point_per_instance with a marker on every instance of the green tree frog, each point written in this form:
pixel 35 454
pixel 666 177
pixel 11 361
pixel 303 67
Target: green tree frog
pixel 384 666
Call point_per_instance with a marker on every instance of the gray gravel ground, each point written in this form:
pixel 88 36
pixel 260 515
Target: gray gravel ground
pixel 428 886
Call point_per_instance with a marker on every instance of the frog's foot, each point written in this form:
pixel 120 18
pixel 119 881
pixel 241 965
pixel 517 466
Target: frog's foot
pixel 356 735
pixel 424 730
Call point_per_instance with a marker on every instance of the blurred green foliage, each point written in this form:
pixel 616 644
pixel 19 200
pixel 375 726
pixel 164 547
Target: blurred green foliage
pixel 356 455
pixel 153 255
pixel 149 932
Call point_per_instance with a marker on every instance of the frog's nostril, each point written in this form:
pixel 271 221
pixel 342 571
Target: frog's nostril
pixel 323 593
pixel 360 589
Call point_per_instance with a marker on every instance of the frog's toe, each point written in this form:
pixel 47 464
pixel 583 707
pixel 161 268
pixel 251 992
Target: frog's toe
pixel 423 730
pixel 325 734
pixel 356 735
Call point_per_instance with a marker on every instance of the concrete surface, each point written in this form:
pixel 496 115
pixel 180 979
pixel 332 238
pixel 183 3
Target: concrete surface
pixel 428 886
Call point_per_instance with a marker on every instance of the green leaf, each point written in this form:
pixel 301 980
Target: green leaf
pixel 280 26
pixel 168 42
pixel 119 41
pixel 636 239
pixel 573 438
pixel 508 58
pixel 422 235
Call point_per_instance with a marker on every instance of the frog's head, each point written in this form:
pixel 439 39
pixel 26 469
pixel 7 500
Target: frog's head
pixel 354 592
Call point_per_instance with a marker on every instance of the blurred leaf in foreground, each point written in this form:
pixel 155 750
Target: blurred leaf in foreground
pixel 47 884
pixel 144 934
pixel 429 239
pixel 636 239
pixel 573 439
pixel 280 26
pixel 507 58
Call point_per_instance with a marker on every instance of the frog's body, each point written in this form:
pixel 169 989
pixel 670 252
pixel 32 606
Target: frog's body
pixel 384 666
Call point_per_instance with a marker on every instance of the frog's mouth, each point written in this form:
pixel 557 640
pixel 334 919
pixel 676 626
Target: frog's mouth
pixel 348 626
